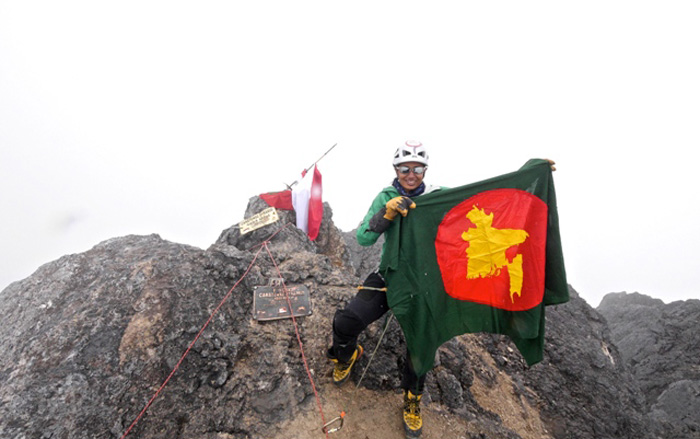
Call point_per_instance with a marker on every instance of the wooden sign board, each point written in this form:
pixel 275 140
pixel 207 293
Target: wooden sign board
pixel 263 218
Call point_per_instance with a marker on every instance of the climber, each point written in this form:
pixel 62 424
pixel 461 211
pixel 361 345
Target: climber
pixel 410 164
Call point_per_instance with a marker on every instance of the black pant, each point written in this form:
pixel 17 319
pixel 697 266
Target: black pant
pixel 363 309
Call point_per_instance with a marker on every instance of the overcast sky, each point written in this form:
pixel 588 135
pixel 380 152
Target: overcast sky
pixel 139 117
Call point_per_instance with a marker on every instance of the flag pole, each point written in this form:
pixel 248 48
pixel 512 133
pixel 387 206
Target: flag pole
pixel 289 186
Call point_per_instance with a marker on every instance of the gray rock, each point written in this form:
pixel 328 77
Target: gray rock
pixel 587 390
pixel 660 346
pixel 88 339
pixel 364 260
pixel 677 408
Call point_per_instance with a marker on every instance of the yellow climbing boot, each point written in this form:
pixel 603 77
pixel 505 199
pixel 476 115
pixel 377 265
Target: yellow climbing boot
pixel 412 419
pixel 341 371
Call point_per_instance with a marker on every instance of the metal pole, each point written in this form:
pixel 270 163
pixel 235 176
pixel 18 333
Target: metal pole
pixel 289 186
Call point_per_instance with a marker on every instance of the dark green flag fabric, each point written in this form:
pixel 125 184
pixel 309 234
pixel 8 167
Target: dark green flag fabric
pixel 485 257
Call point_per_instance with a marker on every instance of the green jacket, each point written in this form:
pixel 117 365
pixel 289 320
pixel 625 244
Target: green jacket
pixel 367 237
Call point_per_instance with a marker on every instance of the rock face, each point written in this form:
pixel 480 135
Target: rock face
pixel 584 387
pixel 364 260
pixel 660 345
pixel 88 339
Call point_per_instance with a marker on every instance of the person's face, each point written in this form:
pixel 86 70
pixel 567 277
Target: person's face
pixel 410 180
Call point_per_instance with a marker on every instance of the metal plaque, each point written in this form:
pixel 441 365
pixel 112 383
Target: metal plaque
pixel 270 301
pixel 262 218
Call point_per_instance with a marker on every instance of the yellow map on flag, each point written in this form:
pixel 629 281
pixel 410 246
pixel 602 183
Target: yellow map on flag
pixel 487 250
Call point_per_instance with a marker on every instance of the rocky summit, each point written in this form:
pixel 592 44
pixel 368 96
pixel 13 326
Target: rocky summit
pixel 659 344
pixel 89 340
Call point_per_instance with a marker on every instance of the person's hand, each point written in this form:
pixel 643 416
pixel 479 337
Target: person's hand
pixel 551 164
pixel 398 205
pixel 382 219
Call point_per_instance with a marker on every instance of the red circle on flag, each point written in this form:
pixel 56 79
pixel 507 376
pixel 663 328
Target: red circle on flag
pixel 491 249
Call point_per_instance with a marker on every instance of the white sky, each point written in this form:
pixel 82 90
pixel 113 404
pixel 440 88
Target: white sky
pixel 138 117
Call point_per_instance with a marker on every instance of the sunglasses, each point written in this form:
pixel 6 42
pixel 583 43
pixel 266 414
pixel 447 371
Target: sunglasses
pixel 418 170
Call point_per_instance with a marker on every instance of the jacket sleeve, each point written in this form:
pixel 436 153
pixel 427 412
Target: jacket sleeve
pixel 367 237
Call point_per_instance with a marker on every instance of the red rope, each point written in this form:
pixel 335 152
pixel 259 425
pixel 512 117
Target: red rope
pixel 189 348
pixel 301 345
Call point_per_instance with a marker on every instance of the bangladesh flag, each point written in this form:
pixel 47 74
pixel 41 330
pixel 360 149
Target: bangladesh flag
pixel 485 257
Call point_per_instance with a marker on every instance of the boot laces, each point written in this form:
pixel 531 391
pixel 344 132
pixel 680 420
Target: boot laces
pixel 412 412
pixel 413 407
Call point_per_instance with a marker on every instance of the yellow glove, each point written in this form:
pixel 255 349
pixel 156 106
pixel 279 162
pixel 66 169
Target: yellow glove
pixel 398 205
pixel 382 219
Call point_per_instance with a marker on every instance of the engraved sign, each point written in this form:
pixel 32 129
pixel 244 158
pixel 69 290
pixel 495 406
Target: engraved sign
pixel 270 301
pixel 263 218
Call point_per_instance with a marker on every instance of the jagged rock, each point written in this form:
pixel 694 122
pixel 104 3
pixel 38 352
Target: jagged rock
pixel 677 408
pixel 660 346
pixel 364 260
pixel 582 384
pixel 88 339
pixel 292 241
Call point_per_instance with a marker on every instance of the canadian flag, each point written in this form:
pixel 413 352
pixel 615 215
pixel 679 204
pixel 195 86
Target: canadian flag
pixel 306 201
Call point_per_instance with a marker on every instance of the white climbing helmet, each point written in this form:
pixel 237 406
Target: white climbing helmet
pixel 411 151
